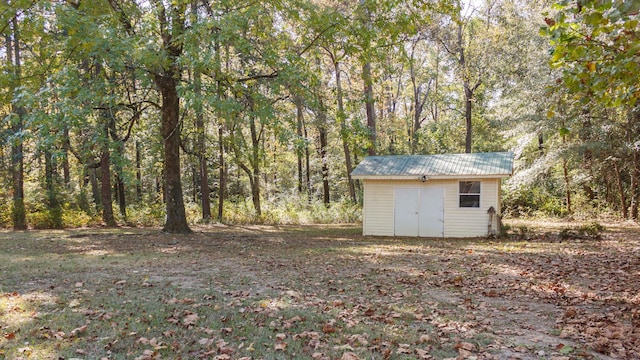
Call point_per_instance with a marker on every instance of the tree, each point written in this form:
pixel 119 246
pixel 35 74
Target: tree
pixel 595 45
pixel 17 119
pixel 164 66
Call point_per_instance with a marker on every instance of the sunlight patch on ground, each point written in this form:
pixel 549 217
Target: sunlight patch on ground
pixel 16 309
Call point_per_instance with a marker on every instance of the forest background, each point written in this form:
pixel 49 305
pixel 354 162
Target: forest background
pixel 176 112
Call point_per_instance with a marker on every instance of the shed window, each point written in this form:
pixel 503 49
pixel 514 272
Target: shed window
pixel 469 194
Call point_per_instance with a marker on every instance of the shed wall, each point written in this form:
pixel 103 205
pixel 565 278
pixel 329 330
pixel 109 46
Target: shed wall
pixel 378 207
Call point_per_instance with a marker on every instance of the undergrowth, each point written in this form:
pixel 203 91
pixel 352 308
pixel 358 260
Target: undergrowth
pixel 289 211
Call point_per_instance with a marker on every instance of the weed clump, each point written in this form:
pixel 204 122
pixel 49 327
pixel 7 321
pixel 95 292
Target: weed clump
pixel 591 230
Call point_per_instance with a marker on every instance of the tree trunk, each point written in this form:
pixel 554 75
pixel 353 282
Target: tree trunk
pixel 322 129
pixel 565 171
pixel 621 194
pixel 222 173
pixel 176 221
pixel 325 165
pixel 633 117
pixel 468 90
pixel 66 146
pixel 468 107
pixel 105 177
pixel 18 212
pixel 55 211
pixel 307 164
pixel 299 151
pixel 138 172
pixel 344 132
pixel 370 107
pixel 122 195
pixel 95 189
pixel 202 153
pixel 255 164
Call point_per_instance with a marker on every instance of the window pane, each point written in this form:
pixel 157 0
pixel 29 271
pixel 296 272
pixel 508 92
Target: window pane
pixel 469 187
pixel 472 201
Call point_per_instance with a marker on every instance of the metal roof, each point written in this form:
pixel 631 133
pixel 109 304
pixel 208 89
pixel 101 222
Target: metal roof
pixel 497 164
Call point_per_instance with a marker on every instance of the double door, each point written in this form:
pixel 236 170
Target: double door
pixel 419 212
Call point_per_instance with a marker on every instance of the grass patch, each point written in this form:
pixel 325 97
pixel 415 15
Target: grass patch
pixel 298 292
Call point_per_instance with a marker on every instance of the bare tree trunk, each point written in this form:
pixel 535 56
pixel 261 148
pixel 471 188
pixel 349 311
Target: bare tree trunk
pixel 255 164
pixel 622 196
pixel 322 129
pixel 344 131
pixel 138 172
pixel 566 185
pixel 105 180
pixel 370 107
pixel 468 91
pixel 299 151
pixel 468 107
pixel 633 118
pixel 18 211
pixel 122 196
pixel 202 153
pixel 95 189
pixel 307 165
pixel 565 170
pixel 55 211
pixel 170 130
pixel 222 173
pixel 66 146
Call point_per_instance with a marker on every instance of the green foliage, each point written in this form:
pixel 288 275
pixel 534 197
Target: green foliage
pixel 532 200
pixel 595 45
pixel 293 210
pixel 149 215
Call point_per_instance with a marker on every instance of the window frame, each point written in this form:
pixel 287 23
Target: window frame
pixel 461 194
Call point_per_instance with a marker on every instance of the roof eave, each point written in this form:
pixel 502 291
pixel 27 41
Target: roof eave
pixel 429 177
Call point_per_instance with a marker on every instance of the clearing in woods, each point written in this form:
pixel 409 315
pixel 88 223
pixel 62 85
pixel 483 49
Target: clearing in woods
pixel 321 292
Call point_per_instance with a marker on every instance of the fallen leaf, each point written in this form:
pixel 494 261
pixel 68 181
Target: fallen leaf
pixel 328 329
pixel 190 320
pixel 76 331
pixel 349 356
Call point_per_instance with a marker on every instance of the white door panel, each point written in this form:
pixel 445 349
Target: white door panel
pixel 406 212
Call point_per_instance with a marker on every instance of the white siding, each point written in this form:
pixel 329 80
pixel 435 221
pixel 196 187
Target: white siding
pixel 378 208
pixel 378 217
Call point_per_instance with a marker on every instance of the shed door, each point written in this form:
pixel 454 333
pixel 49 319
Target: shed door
pixel 406 209
pixel 431 212
pixel 419 212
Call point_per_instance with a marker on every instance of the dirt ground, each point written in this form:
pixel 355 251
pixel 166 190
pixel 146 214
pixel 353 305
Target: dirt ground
pixel 540 294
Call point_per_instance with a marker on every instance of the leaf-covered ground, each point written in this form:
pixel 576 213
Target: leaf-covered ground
pixel 317 292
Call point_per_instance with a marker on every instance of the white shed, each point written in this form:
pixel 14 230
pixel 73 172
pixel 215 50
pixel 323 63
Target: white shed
pixel 445 195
